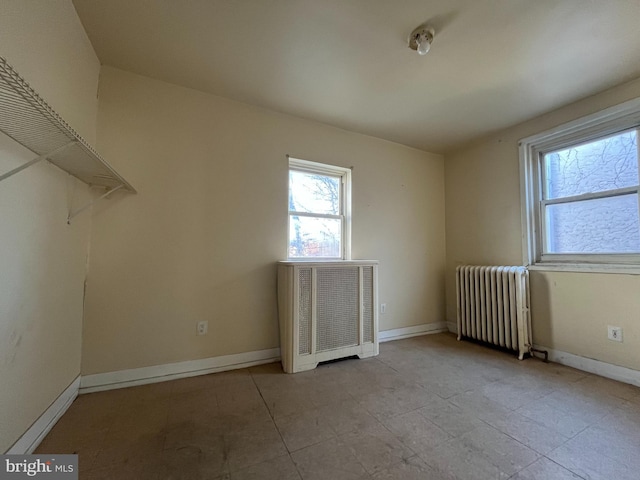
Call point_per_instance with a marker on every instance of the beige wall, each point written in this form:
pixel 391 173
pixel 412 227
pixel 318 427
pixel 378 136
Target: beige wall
pixel 570 311
pixel 200 240
pixel 43 259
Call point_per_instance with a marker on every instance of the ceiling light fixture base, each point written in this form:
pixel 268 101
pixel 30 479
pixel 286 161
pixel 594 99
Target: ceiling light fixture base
pixel 421 36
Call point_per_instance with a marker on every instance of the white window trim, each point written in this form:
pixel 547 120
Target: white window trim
pixel 345 176
pixel 611 120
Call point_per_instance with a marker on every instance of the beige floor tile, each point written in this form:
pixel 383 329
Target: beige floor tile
pixel 410 469
pixel 201 458
pixel 591 464
pixel 322 391
pixel 515 392
pixel 94 411
pixel 552 374
pixel 508 454
pixel 192 406
pixel 190 433
pixel 395 401
pixel 303 429
pixel 415 431
pixel 529 433
pixel 266 370
pixel 457 460
pixel 635 401
pixel 195 444
pixel 545 469
pixel 622 446
pixel 376 448
pixel 588 409
pixel 271 376
pixel 233 422
pixel 475 403
pixel 407 358
pixel 130 448
pixel 141 418
pixel 347 416
pixel 486 370
pixel 483 453
pixel 69 436
pixel 624 420
pixel 254 444
pixel 238 399
pixel 550 416
pixel 451 418
pixel 330 459
pixel 86 450
pixel 284 401
pixel 212 382
pixel 370 376
pixel 126 472
pixel 607 388
pixel 281 468
pixel 448 380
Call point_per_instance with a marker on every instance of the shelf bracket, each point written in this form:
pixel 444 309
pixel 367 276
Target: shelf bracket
pixel 35 160
pixel 84 207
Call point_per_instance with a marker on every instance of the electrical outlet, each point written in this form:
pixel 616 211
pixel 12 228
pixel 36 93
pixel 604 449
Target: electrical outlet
pixel 615 333
pixel 383 308
pixel 202 327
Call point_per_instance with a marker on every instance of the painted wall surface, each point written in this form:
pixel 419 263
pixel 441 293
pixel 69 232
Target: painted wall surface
pixel 42 258
pixel 201 239
pixel 570 311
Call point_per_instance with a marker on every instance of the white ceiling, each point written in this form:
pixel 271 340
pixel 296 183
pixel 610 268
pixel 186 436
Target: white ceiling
pixel 493 63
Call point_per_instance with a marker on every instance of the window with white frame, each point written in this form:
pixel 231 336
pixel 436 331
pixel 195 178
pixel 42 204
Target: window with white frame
pixel 319 211
pixel 580 185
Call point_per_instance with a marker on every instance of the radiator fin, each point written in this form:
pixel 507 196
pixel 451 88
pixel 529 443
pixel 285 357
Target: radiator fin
pixel 304 311
pixel 367 304
pixel 493 306
pixel 337 304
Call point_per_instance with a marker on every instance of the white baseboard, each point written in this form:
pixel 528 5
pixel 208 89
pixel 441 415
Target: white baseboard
pixel 172 371
pixel 30 440
pixel 452 327
pixel 608 370
pixel 407 332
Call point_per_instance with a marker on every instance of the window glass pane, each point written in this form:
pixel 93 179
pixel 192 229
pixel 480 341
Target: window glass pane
pixel 314 237
pixel 314 193
pixel 605 164
pixel 604 225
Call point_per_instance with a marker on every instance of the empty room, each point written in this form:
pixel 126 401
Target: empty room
pixel 319 239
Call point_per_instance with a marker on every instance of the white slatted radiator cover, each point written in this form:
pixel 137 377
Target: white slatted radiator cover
pixel 326 311
pixel 493 306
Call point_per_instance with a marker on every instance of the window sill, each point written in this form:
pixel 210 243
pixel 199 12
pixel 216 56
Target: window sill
pixel 295 261
pixel 586 268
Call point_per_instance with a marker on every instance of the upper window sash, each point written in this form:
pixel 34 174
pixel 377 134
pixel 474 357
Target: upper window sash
pixel 315 167
pixel 341 202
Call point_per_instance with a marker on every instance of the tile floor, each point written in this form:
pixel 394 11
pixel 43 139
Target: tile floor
pixel 426 408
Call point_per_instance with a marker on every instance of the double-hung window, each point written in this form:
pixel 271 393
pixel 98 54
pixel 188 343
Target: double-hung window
pixel 319 211
pixel 580 185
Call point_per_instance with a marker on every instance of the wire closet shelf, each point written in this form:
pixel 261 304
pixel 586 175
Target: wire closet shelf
pixel 30 121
